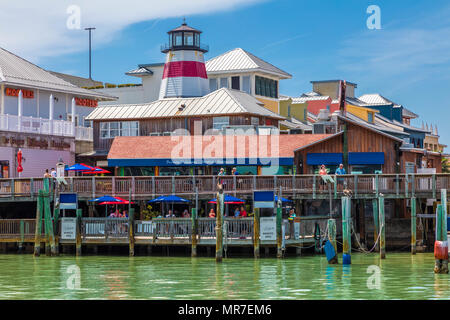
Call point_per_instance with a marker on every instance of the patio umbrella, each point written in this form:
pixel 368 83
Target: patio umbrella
pixel 282 199
pixel 169 199
pixel 95 170
pixel 229 200
pixel 79 167
pixel 106 200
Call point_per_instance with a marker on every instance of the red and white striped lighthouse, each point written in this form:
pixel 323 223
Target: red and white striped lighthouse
pixel 184 72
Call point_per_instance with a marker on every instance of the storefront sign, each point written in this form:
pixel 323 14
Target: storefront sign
pixel 264 199
pixel 27 94
pixel 268 228
pixel 86 102
pixel 68 228
pixel 68 201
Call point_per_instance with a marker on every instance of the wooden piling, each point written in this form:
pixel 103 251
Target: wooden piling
pixel 256 233
pixel 376 222
pixel 131 231
pixel 56 215
pixel 194 232
pixel 346 230
pixel 382 227
pixel 22 235
pixel 441 244
pixel 413 225
pixel 219 227
pixel 50 247
pixel 332 238
pixel 279 231
pixel 38 230
pixel 78 232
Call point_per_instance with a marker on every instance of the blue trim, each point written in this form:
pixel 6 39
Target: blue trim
pixel 365 158
pixel 323 158
pixel 198 162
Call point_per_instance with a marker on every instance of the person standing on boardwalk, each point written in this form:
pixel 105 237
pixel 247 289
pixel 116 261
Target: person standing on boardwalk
pixel 46 174
pixel 323 172
pixel 340 181
pixel 212 214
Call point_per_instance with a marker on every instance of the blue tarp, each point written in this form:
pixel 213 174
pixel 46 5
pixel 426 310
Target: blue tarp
pixel 323 158
pixel 365 158
pixel 169 199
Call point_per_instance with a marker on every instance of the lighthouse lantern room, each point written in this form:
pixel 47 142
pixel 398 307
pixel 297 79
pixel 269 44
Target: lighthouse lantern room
pixel 184 73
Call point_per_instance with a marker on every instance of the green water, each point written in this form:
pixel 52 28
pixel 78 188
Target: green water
pixel 402 276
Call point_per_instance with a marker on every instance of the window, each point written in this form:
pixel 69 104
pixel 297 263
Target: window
pixel 370 117
pixel 246 84
pixel 197 40
pixel 109 130
pixel 220 122
pixel 266 87
pixel 212 84
pixel 255 121
pixel 235 83
pixel 188 39
pixel 224 82
pixel 178 39
pixel 289 111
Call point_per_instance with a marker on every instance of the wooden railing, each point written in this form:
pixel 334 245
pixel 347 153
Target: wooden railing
pixel 104 228
pixel 401 185
pixel 13 228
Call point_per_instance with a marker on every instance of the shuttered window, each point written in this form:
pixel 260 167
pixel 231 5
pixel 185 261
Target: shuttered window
pixel 266 87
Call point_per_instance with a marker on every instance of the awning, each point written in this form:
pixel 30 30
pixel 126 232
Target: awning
pixel 313 159
pixel 365 158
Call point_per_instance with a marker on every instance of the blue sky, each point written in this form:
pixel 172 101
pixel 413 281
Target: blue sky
pixel 407 61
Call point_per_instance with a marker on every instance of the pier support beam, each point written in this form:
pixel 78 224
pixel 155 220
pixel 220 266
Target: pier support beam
pixel 332 238
pixel 219 228
pixel 413 225
pixel 22 236
pixel 346 230
pixel 78 232
pixel 441 243
pixel 38 230
pixel 279 231
pixel 256 233
pixel 56 215
pixel 376 223
pixel 131 231
pixel 382 227
pixel 194 232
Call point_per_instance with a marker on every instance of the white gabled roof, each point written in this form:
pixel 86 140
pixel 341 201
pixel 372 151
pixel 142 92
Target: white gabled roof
pixel 220 102
pixel 304 99
pixel 375 99
pixel 238 60
pixel 17 71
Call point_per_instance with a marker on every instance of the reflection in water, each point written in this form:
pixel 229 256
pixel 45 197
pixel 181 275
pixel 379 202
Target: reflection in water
pixel 306 277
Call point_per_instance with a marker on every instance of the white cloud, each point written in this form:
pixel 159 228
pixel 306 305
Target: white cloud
pixel 35 29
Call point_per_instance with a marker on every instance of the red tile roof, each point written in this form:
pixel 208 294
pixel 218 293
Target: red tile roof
pixel 170 147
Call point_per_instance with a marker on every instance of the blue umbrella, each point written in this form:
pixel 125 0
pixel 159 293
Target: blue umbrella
pixel 105 199
pixel 229 200
pixel 169 199
pixel 79 167
pixel 282 199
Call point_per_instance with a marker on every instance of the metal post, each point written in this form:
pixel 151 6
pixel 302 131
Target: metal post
pixel 90 50
pixel 256 233
pixel 382 227
pixel 413 225
pixel 38 230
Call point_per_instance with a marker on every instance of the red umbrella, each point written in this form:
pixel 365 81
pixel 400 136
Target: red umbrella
pixel 122 201
pixel 19 161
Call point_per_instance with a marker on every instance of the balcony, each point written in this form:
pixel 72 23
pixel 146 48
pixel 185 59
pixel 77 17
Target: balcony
pixel 62 128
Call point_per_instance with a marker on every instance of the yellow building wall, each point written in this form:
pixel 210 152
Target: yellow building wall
pixel 362 113
pixel 297 109
pixel 272 105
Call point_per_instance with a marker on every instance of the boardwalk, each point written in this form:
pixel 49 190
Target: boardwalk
pixel 392 186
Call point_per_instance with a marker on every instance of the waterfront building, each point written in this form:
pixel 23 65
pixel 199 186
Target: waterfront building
pixel 42 115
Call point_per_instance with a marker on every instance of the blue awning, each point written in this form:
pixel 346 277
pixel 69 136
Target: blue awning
pixel 365 158
pixel 323 158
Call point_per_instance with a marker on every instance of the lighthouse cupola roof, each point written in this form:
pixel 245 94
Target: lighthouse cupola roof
pixel 184 37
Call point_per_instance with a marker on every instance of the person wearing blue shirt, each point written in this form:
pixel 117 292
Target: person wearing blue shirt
pixel 237 213
pixel 340 181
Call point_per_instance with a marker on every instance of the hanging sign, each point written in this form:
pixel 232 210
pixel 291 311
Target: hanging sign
pixel 86 102
pixel 27 94
pixel 68 228
pixel 268 228
pixel 68 201
pixel 264 199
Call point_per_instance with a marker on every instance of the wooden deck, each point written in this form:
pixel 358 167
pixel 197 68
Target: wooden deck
pixel 392 186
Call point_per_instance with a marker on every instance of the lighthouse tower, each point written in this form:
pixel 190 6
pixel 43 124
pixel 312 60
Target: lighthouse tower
pixel 184 72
